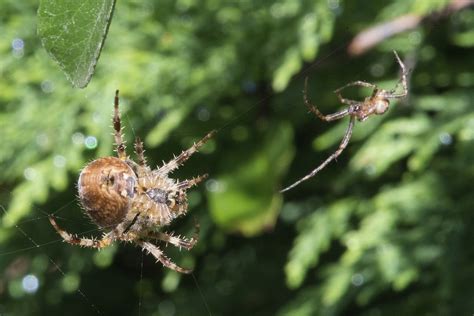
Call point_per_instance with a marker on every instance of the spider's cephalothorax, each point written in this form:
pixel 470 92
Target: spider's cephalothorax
pixel 131 201
pixel 377 104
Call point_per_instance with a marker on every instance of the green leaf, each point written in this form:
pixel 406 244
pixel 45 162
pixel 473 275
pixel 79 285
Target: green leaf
pixel 248 199
pixel 291 65
pixel 314 239
pixel 73 33
pixel 315 235
pixel 392 142
pixel 336 285
pixel 163 128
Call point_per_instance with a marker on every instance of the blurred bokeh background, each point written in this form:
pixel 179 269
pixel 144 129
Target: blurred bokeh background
pixel 388 229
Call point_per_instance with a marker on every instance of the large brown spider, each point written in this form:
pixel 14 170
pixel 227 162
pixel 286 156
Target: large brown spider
pixel 131 201
pixel 377 103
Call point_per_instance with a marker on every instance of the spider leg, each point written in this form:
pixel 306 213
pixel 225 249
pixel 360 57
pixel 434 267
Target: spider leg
pixel 312 108
pixel 84 242
pixel 346 101
pixel 118 129
pixel 339 150
pixel 357 83
pixel 141 168
pixel 139 151
pixel 184 156
pixel 186 184
pixel 158 254
pixel 403 81
pixel 187 244
pixel 124 229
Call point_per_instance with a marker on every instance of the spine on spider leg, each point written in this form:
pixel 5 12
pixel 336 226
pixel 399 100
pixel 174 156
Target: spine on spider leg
pixel 158 254
pixel 186 184
pixel 185 155
pixel 75 240
pixel 140 152
pixel 119 142
pixel 197 228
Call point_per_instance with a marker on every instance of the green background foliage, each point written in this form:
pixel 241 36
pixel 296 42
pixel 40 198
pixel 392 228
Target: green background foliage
pixel 385 230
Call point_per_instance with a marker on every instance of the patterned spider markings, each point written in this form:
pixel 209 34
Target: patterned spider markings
pixel 377 103
pixel 131 202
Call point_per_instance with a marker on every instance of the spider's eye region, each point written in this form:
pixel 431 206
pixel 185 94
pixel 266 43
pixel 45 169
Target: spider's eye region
pixel 171 202
pixel 175 198
pixel 172 199
pixel 381 106
pixel 157 195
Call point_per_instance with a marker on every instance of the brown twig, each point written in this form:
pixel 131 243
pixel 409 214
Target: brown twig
pixel 370 37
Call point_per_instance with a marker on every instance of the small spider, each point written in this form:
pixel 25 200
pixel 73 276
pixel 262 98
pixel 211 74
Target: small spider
pixel 131 201
pixel 377 103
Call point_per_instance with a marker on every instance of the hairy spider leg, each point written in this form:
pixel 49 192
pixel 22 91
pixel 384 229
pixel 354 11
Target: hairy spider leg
pixel 84 242
pixel 158 254
pixel 132 222
pixel 184 156
pixel 139 151
pixel 356 83
pixel 188 244
pixel 118 129
pixel 186 184
pixel 109 238
pixel 403 80
pixel 312 108
pixel 352 84
pixel 339 150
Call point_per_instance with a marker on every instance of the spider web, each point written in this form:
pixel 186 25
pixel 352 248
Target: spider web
pixel 35 245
